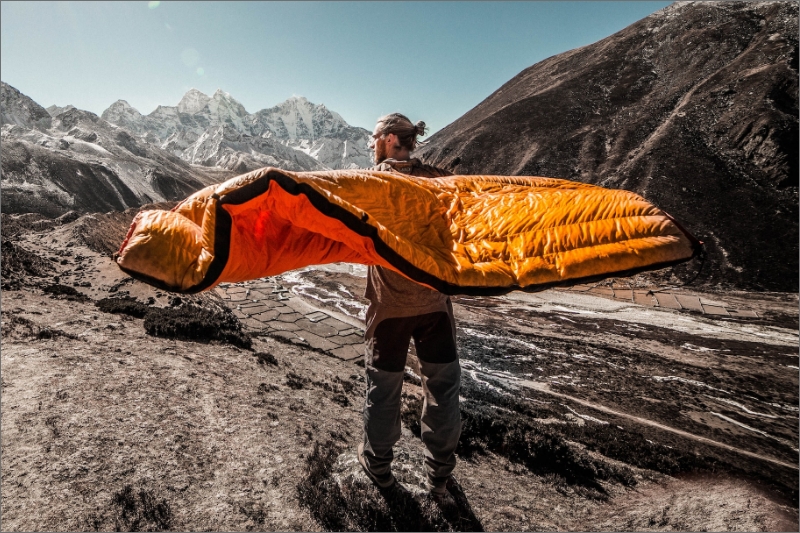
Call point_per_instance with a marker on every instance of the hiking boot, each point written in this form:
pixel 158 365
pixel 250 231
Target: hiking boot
pixel 383 481
pixel 440 487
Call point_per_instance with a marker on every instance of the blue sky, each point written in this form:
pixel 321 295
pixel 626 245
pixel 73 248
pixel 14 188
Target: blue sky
pixel 433 61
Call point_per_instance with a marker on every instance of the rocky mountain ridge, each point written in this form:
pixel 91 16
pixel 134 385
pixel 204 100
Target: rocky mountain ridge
pixel 218 131
pixel 694 107
pixel 65 159
pixel 18 109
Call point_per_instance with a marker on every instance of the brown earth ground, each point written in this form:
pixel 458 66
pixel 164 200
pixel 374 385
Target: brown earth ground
pixel 578 415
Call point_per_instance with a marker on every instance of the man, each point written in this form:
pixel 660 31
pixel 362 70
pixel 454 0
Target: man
pixel 400 310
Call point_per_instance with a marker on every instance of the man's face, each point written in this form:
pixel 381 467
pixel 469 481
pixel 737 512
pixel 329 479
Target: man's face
pixel 378 143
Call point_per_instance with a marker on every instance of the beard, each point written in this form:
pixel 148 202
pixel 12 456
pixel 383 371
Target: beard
pixel 381 152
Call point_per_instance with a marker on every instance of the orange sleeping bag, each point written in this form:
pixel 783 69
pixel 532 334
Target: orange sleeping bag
pixel 479 235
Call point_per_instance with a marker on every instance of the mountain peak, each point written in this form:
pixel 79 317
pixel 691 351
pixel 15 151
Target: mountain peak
pixel 20 109
pixel 193 101
pixel 123 104
pixel 194 91
pixel 295 101
pixel 224 101
pixel 120 113
pixel 55 109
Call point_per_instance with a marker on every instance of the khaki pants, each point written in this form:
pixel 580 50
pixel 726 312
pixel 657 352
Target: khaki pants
pixel 386 351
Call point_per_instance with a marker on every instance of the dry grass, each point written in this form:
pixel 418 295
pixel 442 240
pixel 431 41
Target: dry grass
pixel 351 504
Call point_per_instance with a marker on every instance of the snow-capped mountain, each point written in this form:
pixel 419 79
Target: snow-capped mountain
pixel 122 114
pixel 192 102
pixel 217 131
pixel 297 119
pixel 62 158
pixel 316 131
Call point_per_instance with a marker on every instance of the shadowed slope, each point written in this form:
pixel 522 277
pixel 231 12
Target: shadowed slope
pixel 694 108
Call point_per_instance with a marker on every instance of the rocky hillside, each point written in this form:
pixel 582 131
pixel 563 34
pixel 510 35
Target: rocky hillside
pixel 76 161
pixel 217 131
pixel 126 408
pixel 695 107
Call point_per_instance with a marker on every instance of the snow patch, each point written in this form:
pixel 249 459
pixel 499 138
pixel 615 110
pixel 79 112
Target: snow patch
pixel 689 381
pixel 740 406
pixel 585 417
